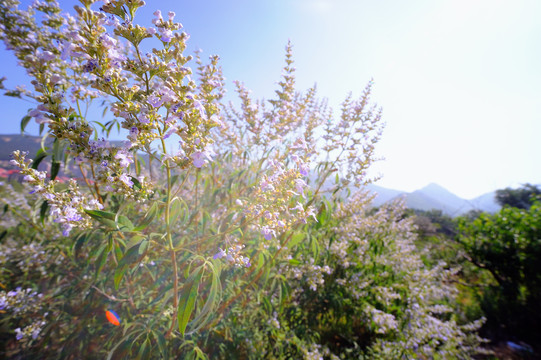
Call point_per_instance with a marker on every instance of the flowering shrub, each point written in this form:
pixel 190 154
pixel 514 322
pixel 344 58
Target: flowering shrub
pixel 234 244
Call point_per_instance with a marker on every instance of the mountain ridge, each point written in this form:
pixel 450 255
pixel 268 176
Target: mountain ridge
pixel 436 197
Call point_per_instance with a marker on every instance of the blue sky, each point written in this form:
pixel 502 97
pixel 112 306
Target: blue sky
pixel 459 81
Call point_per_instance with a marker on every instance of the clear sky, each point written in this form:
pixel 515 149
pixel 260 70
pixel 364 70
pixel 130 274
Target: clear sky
pixel 459 80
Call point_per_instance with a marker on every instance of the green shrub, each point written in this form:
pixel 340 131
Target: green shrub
pixel 507 244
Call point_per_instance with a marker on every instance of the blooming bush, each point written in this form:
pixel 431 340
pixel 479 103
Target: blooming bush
pixel 213 231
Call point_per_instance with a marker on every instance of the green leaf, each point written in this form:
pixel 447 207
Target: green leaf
pixel 102 258
pixel 149 217
pixel 39 158
pixel 160 340
pixel 200 355
pixel 285 290
pixel 143 247
pixel 131 256
pixel 125 223
pixel 324 214
pixel 55 168
pixel 144 350
pixel 111 220
pixel 314 247
pixel 43 211
pixel 100 124
pixel 212 300
pixel 206 219
pixel 135 240
pixel 99 214
pixel 296 239
pixel 260 260
pixel 119 274
pixel 24 122
pixel 79 243
pixel 186 303
pixel 136 182
pixel 119 343
pixel 58 149
pixel 267 305
pixel 104 217
pixel 118 250
pixel 177 207
pixel 164 293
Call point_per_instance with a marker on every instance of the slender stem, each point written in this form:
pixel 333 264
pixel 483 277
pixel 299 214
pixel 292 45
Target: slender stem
pixel 96 183
pixel 197 188
pixel 170 240
pixel 183 181
pixel 136 164
pixel 150 165
pixel 86 179
pixel 172 252
pixel 146 79
pixel 78 106
pixel 110 297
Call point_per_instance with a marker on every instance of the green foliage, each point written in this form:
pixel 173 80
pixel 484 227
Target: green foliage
pixel 521 198
pixel 507 244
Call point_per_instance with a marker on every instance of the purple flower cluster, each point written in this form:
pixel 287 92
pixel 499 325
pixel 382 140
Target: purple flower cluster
pixel 164 28
pixel 233 256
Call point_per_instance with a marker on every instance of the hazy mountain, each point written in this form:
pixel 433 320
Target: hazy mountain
pixel 32 144
pixel 434 196
pixel 10 143
pixel 487 202
pixel 383 194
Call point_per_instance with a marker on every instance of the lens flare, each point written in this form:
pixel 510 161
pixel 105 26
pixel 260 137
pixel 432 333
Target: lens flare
pixel 113 317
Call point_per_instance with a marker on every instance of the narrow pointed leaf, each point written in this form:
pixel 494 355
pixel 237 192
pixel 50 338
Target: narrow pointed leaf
pixel 38 159
pixel 24 122
pixel 43 210
pixel 119 274
pixel 55 168
pixel 131 256
pixel 149 217
pixel 186 304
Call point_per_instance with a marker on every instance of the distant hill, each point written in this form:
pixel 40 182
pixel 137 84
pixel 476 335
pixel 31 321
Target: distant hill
pixel 10 143
pixel 430 197
pixel 434 196
pixel 487 202
pixel 383 194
